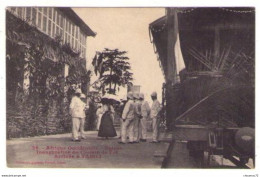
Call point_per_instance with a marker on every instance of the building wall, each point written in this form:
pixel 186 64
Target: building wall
pixel 32 114
pixel 53 22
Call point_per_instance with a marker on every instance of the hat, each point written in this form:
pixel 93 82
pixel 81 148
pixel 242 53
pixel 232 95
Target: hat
pixel 78 90
pixel 141 96
pixel 136 95
pixel 130 95
pixel 82 95
pixel 154 94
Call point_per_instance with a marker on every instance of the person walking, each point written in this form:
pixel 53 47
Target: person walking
pixel 128 120
pixel 77 111
pixel 106 128
pixel 145 111
pixel 155 109
pixel 137 115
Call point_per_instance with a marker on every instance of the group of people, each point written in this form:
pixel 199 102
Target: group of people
pixel 134 117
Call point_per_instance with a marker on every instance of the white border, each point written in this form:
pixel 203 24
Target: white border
pixel 116 172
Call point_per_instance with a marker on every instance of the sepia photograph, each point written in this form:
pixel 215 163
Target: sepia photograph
pixel 130 87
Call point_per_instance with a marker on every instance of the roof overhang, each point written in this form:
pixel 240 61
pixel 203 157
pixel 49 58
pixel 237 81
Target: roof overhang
pixel 78 21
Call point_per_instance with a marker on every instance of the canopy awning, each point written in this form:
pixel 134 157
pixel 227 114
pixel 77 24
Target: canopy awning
pixel 209 37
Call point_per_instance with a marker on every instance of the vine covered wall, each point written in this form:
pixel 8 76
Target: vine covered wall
pixel 38 93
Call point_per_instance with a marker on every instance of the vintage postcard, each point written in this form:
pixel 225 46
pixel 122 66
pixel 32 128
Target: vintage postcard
pixel 132 88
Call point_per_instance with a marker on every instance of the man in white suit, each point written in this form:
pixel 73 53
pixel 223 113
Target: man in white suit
pixel 145 111
pixel 155 109
pixel 128 120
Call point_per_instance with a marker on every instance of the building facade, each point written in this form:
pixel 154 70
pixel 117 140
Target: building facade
pixel 55 22
pixel 45 60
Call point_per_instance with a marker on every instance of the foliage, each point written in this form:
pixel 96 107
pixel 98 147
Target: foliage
pixel 113 68
pixel 41 59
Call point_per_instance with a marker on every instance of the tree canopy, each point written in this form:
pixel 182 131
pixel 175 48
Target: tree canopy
pixel 113 68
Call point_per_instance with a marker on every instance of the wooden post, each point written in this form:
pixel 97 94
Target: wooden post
pixel 171 73
pixel 172 30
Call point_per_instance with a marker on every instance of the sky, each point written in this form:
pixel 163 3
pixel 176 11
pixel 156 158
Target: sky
pixel 126 29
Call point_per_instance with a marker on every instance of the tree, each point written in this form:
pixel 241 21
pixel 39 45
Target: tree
pixel 113 68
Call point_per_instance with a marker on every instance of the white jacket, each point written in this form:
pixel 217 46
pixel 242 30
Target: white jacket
pixel 145 109
pixel 155 109
pixel 129 110
pixel 77 108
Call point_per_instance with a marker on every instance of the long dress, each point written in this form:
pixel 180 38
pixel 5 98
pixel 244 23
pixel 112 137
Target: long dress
pixel 107 128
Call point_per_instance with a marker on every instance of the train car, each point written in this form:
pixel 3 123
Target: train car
pixel 208 59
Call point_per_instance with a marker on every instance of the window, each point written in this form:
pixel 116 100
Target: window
pixel 51 22
pixel 49 27
pixel 34 16
pixel 61 33
pixel 54 15
pixel 57 30
pixel 69 28
pixel 45 9
pixel 73 30
pixel 53 29
pixel 61 21
pixel 77 32
pixel 50 13
pixel 73 42
pixel 44 24
pixel 80 37
pixel 57 19
pixel 20 12
pixel 28 14
pixel 39 20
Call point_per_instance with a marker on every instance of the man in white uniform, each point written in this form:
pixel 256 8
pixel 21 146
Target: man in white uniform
pixel 77 111
pixel 155 109
pixel 145 111
pixel 128 123
pixel 137 118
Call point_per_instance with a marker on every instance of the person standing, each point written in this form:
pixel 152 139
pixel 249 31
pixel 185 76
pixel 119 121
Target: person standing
pixel 77 112
pixel 155 109
pixel 137 115
pixel 145 111
pixel 99 114
pixel 128 120
pixel 122 105
pixel 106 128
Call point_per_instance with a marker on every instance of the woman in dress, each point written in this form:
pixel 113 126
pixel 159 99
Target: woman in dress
pixel 106 128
